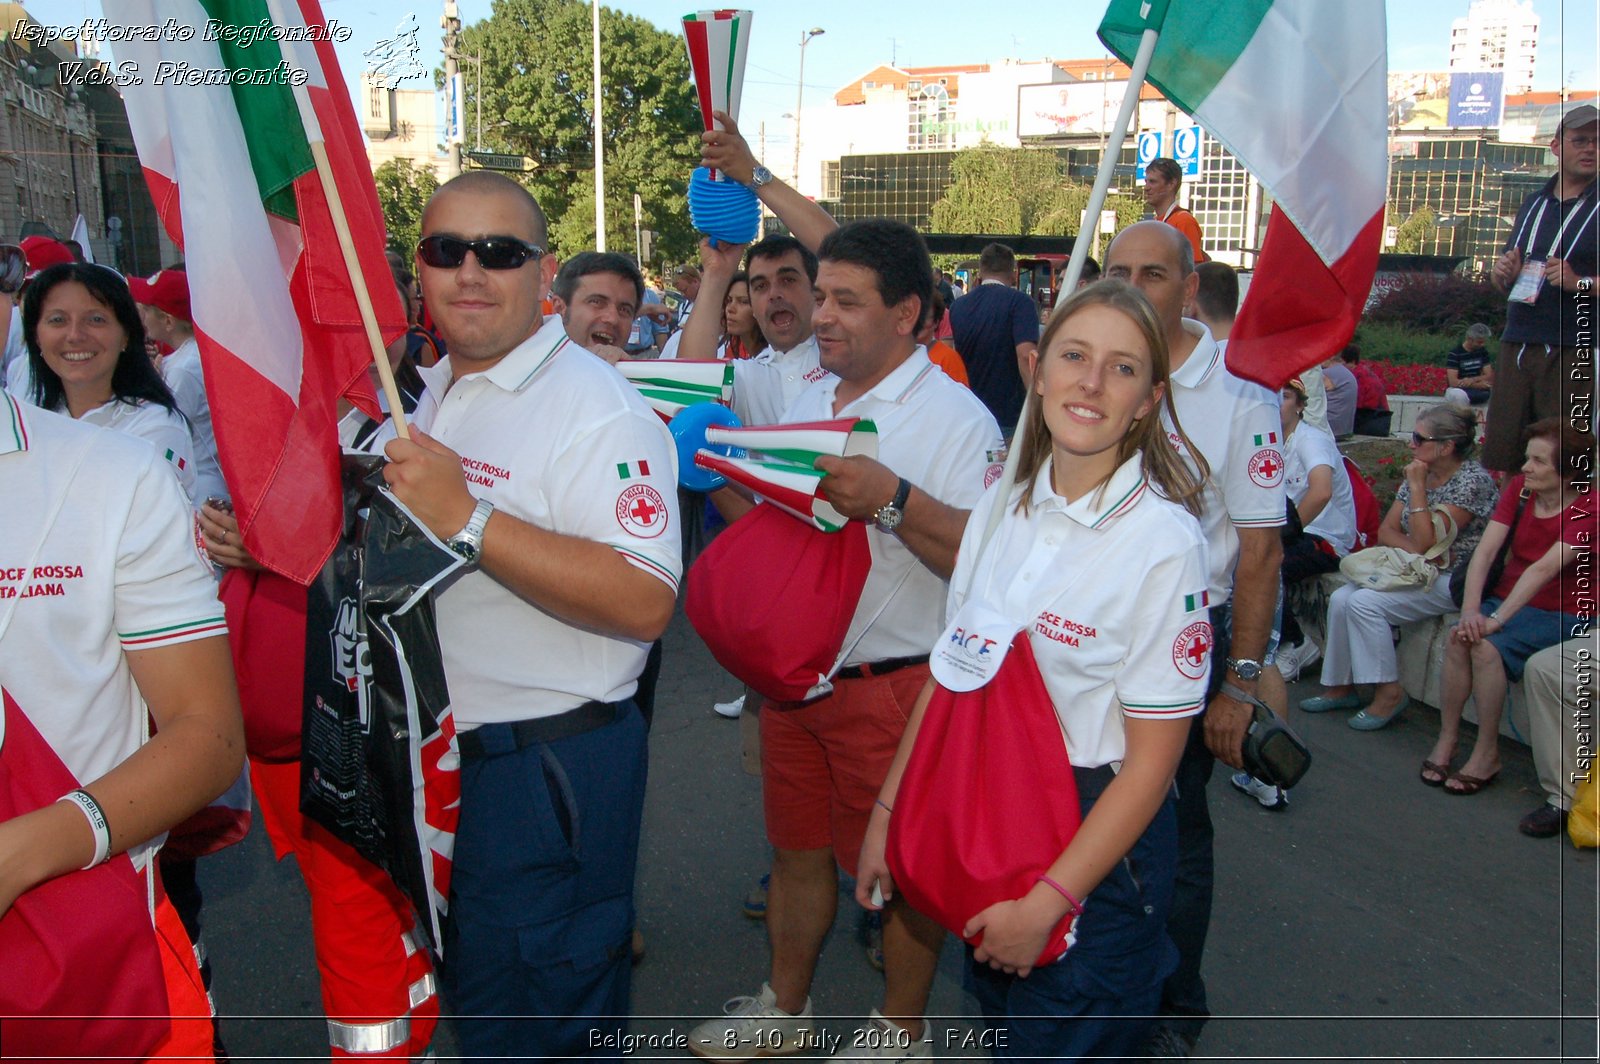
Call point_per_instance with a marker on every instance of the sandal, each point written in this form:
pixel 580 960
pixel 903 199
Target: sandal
pixel 1469 784
pixel 1433 774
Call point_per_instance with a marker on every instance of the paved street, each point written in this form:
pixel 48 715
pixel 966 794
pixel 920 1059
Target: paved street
pixel 1376 918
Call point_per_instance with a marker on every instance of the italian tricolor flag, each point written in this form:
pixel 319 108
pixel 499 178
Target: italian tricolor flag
pixel 225 140
pixel 1296 91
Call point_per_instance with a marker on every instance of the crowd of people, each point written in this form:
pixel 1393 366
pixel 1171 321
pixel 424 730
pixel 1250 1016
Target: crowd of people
pixel 1139 453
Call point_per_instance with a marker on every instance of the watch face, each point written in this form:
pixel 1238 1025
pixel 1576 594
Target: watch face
pixel 760 176
pixel 466 548
pixel 888 518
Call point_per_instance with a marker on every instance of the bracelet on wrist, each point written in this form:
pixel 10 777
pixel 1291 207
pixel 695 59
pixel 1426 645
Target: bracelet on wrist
pixel 881 804
pixel 97 824
pixel 1074 905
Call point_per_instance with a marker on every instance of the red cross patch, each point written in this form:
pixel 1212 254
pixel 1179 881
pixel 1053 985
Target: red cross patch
pixel 642 512
pixel 992 474
pixel 1191 651
pixel 1266 467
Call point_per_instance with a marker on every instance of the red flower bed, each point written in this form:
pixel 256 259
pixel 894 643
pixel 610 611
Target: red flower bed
pixel 1410 380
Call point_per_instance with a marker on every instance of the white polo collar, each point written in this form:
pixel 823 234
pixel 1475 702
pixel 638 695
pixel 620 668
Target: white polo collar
pixel 1202 360
pixel 516 370
pixel 1095 509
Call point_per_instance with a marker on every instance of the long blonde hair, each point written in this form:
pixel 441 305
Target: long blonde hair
pixel 1172 476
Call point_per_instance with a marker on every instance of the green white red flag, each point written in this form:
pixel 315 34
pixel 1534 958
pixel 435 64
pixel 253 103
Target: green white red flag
pixel 1296 91
pixel 227 151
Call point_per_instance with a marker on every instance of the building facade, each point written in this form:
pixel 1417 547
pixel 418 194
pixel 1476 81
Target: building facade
pixel 1497 35
pixel 400 124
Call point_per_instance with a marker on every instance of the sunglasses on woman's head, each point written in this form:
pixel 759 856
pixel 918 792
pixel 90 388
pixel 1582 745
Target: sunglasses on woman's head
pixel 1419 439
pixel 492 252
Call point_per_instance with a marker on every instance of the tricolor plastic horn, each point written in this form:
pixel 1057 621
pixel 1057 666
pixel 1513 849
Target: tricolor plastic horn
pixel 672 385
pixel 689 429
pixel 782 472
pixel 719 41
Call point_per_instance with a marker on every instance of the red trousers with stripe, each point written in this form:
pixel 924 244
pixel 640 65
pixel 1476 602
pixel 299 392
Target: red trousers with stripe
pixel 378 988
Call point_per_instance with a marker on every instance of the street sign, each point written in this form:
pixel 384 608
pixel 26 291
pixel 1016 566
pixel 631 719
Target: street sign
pixel 490 160
pixel 1186 149
pixel 1149 151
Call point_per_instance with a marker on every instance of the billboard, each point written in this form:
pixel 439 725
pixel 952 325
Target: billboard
pixel 1477 99
pixel 1418 99
pixel 1062 108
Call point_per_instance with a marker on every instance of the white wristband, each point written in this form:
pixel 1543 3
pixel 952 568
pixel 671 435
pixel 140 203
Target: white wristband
pixel 97 824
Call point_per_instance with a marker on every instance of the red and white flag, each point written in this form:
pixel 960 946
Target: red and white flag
pixel 226 147
pixel 1296 90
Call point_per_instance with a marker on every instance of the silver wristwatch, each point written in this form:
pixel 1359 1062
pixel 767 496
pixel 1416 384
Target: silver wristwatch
pixel 760 176
pixel 1245 668
pixel 890 514
pixel 468 543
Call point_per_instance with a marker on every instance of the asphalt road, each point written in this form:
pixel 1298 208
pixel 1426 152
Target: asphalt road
pixel 1376 918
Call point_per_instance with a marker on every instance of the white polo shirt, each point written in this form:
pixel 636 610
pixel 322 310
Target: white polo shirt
pixel 183 374
pixel 555 437
pixel 1111 591
pixel 1307 449
pixel 1237 426
pixel 118 571
pixel 768 384
pixel 938 435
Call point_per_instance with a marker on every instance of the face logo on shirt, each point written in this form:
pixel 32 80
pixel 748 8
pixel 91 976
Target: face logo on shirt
pixel 1266 467
pixel 1191 651
pixel 642 512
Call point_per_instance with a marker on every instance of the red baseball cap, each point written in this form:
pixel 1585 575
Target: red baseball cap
pixel 43 252
pixel 166 290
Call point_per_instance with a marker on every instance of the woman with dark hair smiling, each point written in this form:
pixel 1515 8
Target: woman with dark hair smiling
pixel 86 359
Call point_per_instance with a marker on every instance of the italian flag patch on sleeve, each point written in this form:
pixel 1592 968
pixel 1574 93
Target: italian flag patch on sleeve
pixel 172 456
pixel 1200 599
pixel 629 470
pixel 1262 441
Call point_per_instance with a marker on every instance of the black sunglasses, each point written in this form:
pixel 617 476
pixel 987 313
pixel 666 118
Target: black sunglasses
pixel 1419 439
pixel 493 252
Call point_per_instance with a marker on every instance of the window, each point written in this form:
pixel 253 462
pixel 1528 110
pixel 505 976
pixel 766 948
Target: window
pixel 865 85
pixel 375 102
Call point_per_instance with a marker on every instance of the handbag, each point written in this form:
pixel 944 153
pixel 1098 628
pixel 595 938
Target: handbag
pixel 773 597
pixel 1497 568
pixel 987 802
pixel 1396 569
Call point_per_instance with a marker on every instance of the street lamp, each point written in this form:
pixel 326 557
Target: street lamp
pixel 800 98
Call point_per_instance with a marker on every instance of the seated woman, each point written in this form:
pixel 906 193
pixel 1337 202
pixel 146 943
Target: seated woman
pixel 1098 491
pixel 1316 483
pixel 1360 645
pixel 1527 608
pixel 86 359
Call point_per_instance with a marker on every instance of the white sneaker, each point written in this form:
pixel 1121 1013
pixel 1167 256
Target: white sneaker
pixel 755 1027
pixel 1270 796
pixel 882 1040
pixel 1295 658
pixel 731 710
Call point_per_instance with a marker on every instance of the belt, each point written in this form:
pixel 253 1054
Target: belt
pixel 491 740
pixel 880 668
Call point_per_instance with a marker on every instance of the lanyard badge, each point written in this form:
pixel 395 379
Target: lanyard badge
pixel 1530 282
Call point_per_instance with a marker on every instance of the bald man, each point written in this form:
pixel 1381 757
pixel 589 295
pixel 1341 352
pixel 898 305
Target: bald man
pixel 1235 425
pixel 544 469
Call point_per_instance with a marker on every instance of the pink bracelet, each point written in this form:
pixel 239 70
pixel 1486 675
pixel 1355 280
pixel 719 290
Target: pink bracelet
pixel 1077 906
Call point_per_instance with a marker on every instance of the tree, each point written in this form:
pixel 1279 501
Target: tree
pixel 1020 191
pixel 403 191
pixel 537 83
pixel 1411 233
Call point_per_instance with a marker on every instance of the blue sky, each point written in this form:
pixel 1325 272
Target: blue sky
pixel 861 35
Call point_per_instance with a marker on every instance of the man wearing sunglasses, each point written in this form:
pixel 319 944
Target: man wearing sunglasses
pixel 544 469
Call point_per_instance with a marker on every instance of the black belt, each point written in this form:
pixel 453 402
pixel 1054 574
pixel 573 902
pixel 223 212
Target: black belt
pixel 490 740
pixel 880 668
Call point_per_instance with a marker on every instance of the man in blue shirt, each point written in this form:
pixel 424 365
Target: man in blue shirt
pixel 996 331
pixel 1546 363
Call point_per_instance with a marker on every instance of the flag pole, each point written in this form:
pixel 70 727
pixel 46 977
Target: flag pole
pixel 347 245
pixel 1080 252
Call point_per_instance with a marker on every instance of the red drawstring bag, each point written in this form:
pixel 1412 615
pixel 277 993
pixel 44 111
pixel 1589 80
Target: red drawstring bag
pixel 773 598
pixel 266 615
pixel 80 972
pixel 987 802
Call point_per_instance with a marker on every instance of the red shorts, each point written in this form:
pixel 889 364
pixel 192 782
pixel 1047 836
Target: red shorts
pixel 822 764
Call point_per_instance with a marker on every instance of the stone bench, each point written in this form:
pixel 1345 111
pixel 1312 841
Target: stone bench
pixel 1420 657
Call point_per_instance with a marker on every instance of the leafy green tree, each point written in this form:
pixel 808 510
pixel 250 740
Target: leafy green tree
pixel 537 83
pixel 1024 191
pixel 403 191
pixel 1411 234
